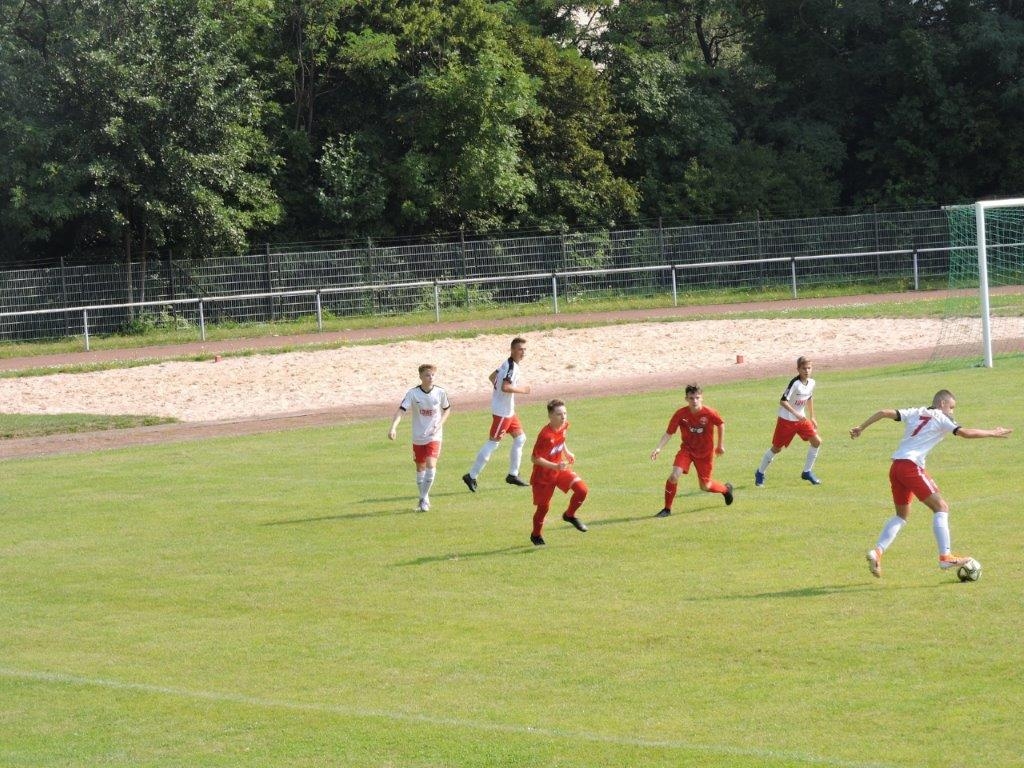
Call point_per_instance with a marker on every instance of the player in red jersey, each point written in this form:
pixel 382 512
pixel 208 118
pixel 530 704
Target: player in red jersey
pixel 699 447
pixel 552 468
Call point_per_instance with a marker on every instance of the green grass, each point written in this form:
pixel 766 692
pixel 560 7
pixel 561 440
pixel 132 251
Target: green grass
pixel 25 425
pixel 274 601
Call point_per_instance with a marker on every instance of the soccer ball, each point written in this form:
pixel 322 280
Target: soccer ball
pixel 969 571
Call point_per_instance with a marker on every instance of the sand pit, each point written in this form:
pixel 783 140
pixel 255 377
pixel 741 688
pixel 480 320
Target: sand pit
pixel 351 378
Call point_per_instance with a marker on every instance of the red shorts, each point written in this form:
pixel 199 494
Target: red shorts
pixel 786 430
pixel 542 492
pixel 502 424
pixel 908 480
pixel 420 453
pixel 704 465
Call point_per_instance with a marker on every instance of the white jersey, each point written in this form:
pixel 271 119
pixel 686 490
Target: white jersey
pixel 925 428
pixel 426 409
pixel 797 394
pixel 504 403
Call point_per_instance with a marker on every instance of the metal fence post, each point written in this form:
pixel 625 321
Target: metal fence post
pixel 270 281
pixel 64 295
pixel 917 284
pixel 554 290
pixel 170 283
pixel 85 327
pixel 675 290
pixel 437 302
pixel 319 313
pixel 202 320
pixel 792 274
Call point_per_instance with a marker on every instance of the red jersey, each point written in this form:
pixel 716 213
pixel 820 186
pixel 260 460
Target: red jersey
pixel 696 429
pixel 550 445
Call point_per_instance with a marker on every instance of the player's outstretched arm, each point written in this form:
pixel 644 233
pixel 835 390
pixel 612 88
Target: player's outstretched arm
pixel 976 433
pixel 885 413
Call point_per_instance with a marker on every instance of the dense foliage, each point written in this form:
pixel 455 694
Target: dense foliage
pixel 128 126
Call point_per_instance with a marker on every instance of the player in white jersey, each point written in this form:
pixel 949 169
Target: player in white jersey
pixel 795 417
pixel 924 429
pixel 505 385
pixel 430 410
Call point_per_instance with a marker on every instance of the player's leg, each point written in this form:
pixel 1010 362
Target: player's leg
pixel 429 473
pixel 940 530
pixel 781 437
pixel 814 443
pixel 542 500
pixel 707 483
pixel 499 424
pixel 901 497
pixel 515 457
pixel 679 466
pixel 578 494
pixel 419 457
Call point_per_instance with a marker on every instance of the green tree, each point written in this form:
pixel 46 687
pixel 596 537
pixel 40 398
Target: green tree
pixel 926 97
pixel 130 124
pixel 710 138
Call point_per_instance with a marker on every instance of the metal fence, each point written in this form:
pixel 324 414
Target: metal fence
pixel 556 269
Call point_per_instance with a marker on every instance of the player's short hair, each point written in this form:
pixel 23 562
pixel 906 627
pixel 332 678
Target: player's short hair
pixel 552 404
pixel 694 389
pixel 941 396
pixel 427 367
pixel 801 360
pixel 517 341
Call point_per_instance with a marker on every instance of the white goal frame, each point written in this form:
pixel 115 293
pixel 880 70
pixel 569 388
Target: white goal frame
pixel 979 218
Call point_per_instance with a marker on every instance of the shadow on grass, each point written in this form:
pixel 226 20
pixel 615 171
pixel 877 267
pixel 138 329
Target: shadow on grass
pixel 352 516
pixel 822 590
pixel 406 497
pixel 456 556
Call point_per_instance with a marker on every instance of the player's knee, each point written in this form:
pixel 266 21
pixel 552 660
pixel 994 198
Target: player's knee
pixel 580 490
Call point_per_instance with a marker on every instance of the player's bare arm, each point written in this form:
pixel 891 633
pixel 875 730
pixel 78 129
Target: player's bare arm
pixel 661 444
pixel 393 431
pixel 976 433
pixel 547 463
pixel 885 413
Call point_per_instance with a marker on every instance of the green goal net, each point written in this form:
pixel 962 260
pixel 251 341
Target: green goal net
pixel 984 315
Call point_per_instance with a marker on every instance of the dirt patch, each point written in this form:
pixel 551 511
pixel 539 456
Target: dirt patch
pixel 260 393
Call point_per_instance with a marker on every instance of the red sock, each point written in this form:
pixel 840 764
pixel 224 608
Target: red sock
pixel 538 519
pixel 716 487
pixel 579 495
pixel 670 493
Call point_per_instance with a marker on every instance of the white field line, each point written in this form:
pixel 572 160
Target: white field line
pixel 58 678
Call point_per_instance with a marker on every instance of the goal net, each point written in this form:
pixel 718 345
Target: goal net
pixel 984 314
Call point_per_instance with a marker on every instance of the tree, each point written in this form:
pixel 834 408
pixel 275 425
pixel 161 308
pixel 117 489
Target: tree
pixel 132 124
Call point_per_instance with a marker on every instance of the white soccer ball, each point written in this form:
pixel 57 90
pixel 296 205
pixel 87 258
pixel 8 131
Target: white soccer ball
pixel 969 571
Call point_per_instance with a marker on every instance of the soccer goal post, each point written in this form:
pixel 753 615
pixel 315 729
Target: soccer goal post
pixel 987 252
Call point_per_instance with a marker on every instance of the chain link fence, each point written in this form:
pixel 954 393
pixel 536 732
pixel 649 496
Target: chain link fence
pixel 561 270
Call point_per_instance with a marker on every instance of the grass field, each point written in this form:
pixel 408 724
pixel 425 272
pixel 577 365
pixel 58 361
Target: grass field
pixel 274 600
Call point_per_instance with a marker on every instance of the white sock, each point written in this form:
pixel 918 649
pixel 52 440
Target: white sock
pixel 889 531
pixel 428 482
pixel 420 474
pixel 768 458
pixel 940 527
pixel 812 454
pixel 516 456
pixel 482 458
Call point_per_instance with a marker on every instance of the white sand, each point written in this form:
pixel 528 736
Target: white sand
pixel 262 385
